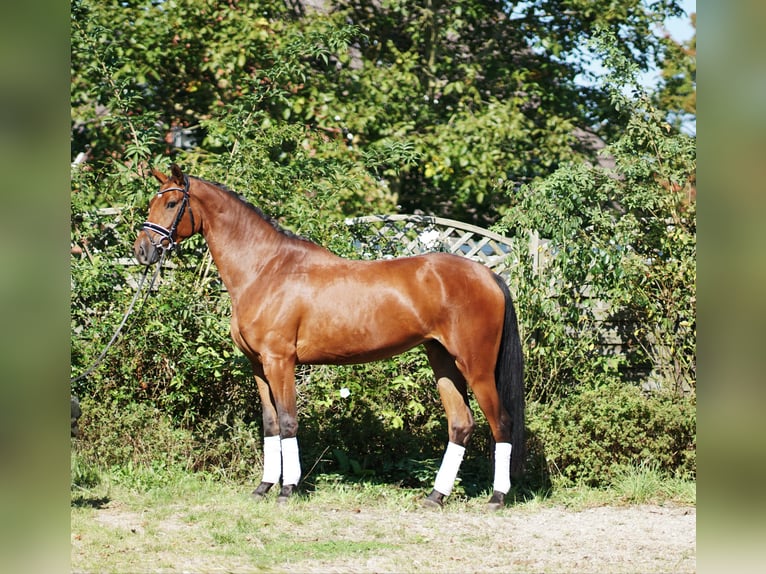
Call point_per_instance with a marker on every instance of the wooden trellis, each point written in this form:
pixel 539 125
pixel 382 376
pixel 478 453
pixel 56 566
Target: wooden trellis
pixel 380 236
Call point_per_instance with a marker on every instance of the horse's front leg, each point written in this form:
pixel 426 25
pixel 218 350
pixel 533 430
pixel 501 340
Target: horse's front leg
pixel 278 385
pixel 272 447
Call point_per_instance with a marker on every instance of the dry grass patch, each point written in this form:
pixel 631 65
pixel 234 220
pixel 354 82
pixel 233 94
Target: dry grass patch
pixel 204 526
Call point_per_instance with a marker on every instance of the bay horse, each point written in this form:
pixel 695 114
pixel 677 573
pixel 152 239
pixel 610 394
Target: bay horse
pixel 294 302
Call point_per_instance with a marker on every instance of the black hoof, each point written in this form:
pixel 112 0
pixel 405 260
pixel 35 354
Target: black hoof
pixel 497 501
pixel 435 500
pixel 285 493
pixel 262 489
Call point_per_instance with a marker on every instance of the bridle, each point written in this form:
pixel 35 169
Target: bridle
pixel 166 235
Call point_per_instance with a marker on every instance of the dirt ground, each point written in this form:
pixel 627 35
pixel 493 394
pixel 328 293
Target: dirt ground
pixel 613 539
pixel 604 539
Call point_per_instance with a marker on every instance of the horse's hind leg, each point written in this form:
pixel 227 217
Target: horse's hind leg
pixel 453 392
pixel 500 424
pixel 479 371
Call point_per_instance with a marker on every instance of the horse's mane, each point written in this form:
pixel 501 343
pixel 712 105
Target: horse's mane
pixel 267 218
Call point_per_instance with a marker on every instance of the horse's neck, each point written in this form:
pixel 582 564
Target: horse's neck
pixel 240 241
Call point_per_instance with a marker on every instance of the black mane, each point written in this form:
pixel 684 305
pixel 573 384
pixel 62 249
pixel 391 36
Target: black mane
pixel 267 218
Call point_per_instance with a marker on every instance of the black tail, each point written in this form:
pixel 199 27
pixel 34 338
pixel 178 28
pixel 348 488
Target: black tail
pixel 509 378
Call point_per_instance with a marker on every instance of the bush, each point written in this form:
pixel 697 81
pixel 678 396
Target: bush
pixel 135 439
pixel 593 436
pixel 134 434
pixel 613 294
pixel 387 424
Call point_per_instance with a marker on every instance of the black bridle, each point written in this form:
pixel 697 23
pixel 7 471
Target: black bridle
pixel 166 235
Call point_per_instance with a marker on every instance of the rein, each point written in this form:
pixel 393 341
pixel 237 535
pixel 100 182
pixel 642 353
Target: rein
pixel 111 342
pixel 165 244
pixel 166 235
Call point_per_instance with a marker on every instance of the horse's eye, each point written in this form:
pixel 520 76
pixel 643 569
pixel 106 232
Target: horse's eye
pixel 171 204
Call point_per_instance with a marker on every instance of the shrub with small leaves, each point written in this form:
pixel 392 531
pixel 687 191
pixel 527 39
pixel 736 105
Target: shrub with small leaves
pixel 592 436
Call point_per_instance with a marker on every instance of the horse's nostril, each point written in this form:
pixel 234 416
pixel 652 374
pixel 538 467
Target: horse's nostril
pixel 141 253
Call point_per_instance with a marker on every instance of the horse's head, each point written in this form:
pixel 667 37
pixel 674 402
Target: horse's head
pixel 170 218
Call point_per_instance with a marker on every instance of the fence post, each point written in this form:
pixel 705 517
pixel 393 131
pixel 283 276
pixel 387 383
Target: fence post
pixel 534 251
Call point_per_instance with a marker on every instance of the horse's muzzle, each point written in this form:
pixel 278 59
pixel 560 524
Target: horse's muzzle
pixel 145 251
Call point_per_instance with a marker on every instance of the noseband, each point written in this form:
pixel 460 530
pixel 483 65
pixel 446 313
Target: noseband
pixel 166 235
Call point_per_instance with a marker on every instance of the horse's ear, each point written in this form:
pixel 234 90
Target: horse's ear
pixel 178 174
pixel 161 177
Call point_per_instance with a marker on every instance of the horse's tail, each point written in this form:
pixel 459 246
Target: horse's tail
pixel 509 378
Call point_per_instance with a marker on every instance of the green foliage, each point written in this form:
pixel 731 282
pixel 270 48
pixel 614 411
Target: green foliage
pixel 647 483
pixel 85 475
pixel 678 91
pixel 380 420
pixel 483 94
pixel 141 446
pixel 619 260
pixel 594 436
pixel 444 108
pixel 130 436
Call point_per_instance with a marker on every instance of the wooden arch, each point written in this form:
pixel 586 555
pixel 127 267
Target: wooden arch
pixel 380 236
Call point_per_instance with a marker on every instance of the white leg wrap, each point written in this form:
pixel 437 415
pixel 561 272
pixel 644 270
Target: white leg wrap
pixel 291 463
pixel 445 478
pixel 272 459
pixel 502 467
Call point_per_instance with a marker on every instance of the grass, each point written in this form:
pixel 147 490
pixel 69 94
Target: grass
pixel 168 520
pixel 642 484
pixel 218 523
pixel 646 485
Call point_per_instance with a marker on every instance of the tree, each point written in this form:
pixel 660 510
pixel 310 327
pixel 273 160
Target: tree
pixel 621 255
pixel 446 105
pixel 677 94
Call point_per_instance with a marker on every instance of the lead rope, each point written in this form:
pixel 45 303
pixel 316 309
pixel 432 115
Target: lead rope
pixel 101 357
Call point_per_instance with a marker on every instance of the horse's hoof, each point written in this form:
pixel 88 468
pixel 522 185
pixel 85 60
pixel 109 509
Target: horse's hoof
pixel 497 501
pixel 285 493
pixel 429 504
pixel 434 501
pixel 262 489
